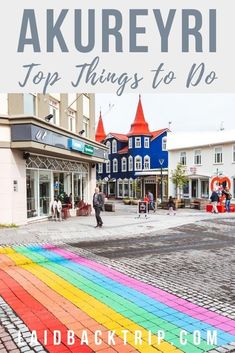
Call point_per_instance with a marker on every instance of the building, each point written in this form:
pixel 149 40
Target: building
pixel 138 160
pixel 47 148
pixel 209 160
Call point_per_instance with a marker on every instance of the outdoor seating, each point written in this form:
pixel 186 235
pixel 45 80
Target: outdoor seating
pixel 84 209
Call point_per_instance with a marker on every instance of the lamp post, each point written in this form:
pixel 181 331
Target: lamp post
pixel 161 161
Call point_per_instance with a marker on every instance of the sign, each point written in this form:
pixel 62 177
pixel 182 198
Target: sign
pixel 217 181
pixel 143 207
pixel 89 149
pixel 76 145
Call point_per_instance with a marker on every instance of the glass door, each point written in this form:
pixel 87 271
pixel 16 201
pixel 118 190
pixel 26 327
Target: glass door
pixel 44 192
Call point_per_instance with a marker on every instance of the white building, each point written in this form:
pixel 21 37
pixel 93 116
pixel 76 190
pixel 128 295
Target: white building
pixel 209 160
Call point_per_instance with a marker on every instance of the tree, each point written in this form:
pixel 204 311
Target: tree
pixel 179 178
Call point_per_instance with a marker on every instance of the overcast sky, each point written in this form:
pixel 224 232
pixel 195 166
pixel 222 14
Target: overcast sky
pixel 186 112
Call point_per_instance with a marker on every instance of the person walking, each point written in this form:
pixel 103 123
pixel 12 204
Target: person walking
pixel 151 201
pixel 214 201
pixel 171 206
pixel 228 197
pixel 98 204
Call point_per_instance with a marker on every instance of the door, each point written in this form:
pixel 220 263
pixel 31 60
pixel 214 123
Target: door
pixel 195 188
pixel 44 192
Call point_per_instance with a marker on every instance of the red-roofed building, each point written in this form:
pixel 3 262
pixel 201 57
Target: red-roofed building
pixel 100 133
pixel 138 160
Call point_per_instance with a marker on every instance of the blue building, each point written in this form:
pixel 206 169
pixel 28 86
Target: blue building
pixel 138 161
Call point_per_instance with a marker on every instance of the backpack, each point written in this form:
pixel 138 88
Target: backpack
pixel 229 196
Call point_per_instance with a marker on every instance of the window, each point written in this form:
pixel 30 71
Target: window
pixel 234 154
pixel 29 104
pixel 197 157
pixel 120 188
pixel 115 165
pixel 114 146
pixel 130 142
pixel 124 164
pixel 146 162
pixel 146 142
pixel 130 163
pixel 137 142
pixel 204 189
pixel 86 106
pixel 108 167
pixel 72 120
pixel 164 141
pixel 86 126
pixel 100 168
pixel 183 158
pixel 54 108
pixel 138 163
pixel 108 144
pixel 4 103
pixel 218 155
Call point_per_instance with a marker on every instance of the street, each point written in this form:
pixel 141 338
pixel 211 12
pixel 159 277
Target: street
pixel 168 281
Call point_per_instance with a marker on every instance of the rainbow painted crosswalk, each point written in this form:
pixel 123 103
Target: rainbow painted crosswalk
pixel 51 288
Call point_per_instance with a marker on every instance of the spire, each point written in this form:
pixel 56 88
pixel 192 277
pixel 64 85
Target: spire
pixel 100 133
pixel 139 126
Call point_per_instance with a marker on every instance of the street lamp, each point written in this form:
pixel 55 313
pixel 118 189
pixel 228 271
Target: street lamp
pixel 161 161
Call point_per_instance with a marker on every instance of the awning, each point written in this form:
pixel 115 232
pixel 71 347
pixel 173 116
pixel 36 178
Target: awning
pixel 198 176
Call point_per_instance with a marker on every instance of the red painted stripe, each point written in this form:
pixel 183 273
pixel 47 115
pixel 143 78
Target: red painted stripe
pixel 33 314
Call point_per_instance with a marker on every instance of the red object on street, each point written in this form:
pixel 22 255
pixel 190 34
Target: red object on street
pixel 221 208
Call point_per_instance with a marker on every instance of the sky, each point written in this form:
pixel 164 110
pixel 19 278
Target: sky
pixel 186 112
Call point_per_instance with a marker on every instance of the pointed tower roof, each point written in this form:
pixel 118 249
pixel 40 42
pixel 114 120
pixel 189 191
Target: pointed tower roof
pixel 100 133
pixel 139 126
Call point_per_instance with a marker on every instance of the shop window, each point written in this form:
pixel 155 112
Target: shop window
pixel 108 167
pixel 205 189
pixel 197 157
pixel 130 142
pixel 183 158
pixel 218 157
pixel 125 188
pixel 138 163
pixel 146 142
pixel 72 120
pixel 120 188
pixel 137 142
pixel 100 168
pixel 124 164
pixel 54 109
pixel 114 146
pixel 164 141
pixel 115 165
pixel 32 193
pixel 30 103
pixel 130 163
pixel 108 144
pixel 146 162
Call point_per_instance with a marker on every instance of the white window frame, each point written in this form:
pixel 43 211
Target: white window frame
pixel 197 157
pixel 140 162
pixel 108 167
pixel 183 158
pixel 137 142
pixel 147 162
pixel 34 97
pixel 108 144
pixel 86 126
pixel 233 153
pixel 130 164
pixel 114 146
pixel 71 120
pixel 115 165
pixel 124 164
pixel 130 142
pixel 4 103
pixel 164 143
pixel 216 154
pixel 120 182
pixel 100 168
pixel 54 109
pixel 146 142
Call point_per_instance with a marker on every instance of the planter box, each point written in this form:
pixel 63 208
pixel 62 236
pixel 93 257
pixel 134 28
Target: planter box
pixel 109 207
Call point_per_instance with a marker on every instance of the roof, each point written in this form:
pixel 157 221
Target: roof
pixel 120 137
pixel 157 133
pixel 123 150
pixel 184 140
pixel 139 126
pixel 100 133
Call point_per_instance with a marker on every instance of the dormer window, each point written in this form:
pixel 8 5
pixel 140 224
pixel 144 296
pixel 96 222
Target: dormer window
pixel 130 142
pixel 137 142
pixel 164 141
pixel 146 142
pixel 114 146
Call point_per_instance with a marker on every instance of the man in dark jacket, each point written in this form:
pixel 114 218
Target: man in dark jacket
pixel 214 201
pixel 228 197
pixel 98 204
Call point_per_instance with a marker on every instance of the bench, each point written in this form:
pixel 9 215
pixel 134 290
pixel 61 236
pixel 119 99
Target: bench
pixel 109 207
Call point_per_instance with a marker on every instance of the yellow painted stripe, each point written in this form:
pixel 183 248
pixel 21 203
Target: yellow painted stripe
pixel 107 316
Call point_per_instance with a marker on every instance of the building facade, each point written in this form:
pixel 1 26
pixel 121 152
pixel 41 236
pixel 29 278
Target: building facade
pixel 47 149
pixel 209 160
pixel 138 161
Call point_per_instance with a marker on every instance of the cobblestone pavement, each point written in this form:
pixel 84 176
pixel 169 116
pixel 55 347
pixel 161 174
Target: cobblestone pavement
pixel 173 280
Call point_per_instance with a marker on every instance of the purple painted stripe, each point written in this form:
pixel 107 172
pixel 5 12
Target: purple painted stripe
pixel 181 305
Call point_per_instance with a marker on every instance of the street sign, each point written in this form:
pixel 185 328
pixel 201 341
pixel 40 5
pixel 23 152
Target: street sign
pixel 88 149
pixel 143 207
